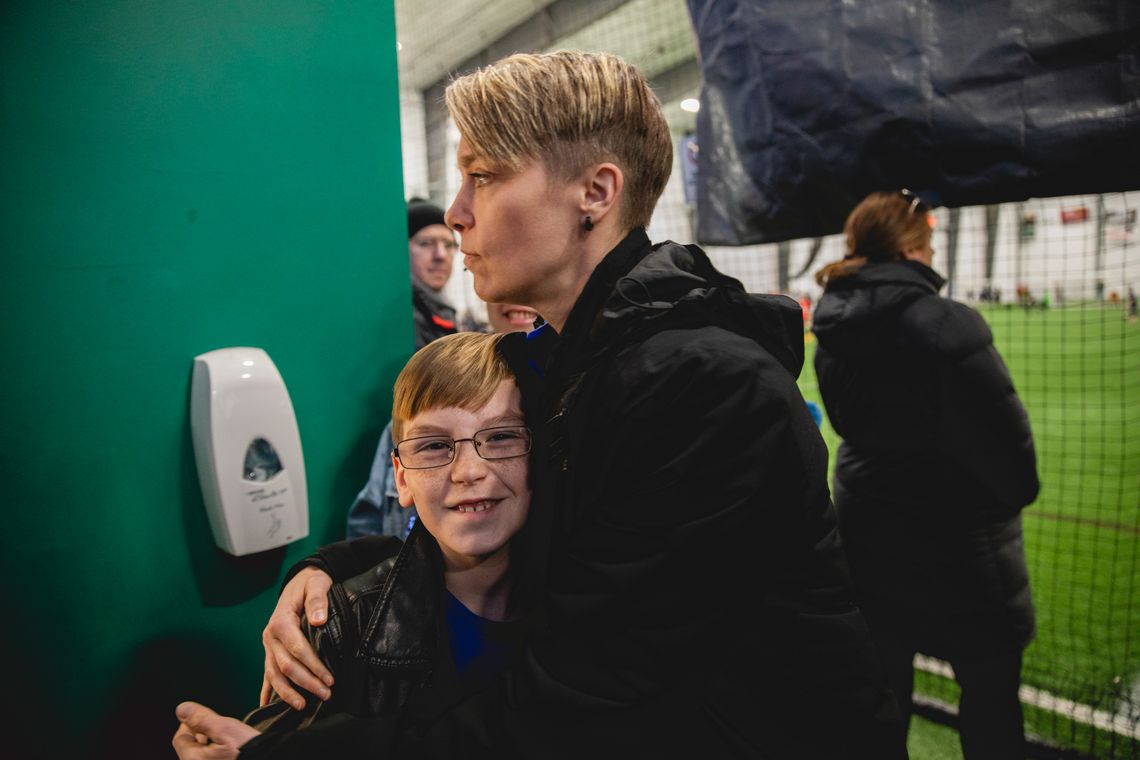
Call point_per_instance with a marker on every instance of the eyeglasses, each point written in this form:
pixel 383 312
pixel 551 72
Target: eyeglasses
pixel 429 244
pixel 917 205
pixel 429 451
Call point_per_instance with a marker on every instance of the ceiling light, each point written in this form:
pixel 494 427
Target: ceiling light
pixel 692 105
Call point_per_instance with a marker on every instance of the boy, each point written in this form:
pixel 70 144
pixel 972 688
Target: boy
pixel 438 609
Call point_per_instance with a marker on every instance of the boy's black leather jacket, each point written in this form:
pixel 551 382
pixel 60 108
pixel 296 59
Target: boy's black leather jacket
pixel 384 640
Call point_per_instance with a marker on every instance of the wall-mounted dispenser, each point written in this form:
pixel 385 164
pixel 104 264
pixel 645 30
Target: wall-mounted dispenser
pixel 248 451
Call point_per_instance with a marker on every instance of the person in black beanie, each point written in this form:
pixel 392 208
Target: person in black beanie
pixel 431 252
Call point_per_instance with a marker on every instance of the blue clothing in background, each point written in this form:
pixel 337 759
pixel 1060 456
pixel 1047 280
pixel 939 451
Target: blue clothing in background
pixel 816 413
pixel 377 511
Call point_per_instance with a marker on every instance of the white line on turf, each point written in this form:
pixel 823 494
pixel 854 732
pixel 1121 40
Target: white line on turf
pixel 1123 724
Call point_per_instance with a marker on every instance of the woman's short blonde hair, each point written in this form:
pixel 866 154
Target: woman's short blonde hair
pixel 462 370
pixel 572 110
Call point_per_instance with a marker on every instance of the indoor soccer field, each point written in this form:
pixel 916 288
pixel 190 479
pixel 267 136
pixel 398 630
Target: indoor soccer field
pixel 1076 369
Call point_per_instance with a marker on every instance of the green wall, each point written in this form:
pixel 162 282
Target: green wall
pixel 175 177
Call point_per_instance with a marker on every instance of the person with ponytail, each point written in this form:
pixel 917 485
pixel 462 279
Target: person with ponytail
pixel 936 463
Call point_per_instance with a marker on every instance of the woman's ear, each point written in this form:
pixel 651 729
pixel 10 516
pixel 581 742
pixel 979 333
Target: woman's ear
pixel 923 255
pixel 603 184
pixel 402 487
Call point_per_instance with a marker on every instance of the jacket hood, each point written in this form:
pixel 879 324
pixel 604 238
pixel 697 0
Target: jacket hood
pixel 670 286
pixel 854 312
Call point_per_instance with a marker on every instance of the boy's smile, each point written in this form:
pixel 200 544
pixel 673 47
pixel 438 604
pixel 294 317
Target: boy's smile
pixel 473 507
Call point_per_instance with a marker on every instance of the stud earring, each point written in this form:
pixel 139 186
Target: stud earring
pixel 588 223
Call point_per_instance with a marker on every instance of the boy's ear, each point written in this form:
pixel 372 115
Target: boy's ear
pixel 402 487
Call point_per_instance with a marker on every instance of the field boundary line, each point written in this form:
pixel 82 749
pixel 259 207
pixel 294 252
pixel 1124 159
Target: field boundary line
pixel 1134 530
pixel 1122 724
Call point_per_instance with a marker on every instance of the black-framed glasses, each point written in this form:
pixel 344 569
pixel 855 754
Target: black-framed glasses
pixel 917 205
pixel 427 451
pixel 430 244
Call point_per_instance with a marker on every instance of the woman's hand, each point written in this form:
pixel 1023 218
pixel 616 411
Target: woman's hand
pixel 289 658
pixel 205 735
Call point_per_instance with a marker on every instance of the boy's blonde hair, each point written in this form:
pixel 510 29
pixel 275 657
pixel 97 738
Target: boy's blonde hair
pixel 572 110
pixel 462 370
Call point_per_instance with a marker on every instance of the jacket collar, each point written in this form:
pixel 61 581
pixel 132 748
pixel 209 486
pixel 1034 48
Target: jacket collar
pixel 633 248
pixel 642 287
pixel 402 629
pixel 902 272
pixel 848 318
pixel 434 302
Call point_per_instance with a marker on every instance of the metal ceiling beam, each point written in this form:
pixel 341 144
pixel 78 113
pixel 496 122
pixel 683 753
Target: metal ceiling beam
pixel 538 32
pixel 556 21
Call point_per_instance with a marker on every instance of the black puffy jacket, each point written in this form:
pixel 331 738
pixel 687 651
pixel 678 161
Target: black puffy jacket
pixel 936 463
pixel 692 595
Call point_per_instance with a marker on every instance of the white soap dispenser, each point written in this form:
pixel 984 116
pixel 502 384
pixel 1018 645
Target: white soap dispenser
pixel 248 451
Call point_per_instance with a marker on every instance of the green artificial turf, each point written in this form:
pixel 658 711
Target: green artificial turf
pixel 1077 370
pixel 932 741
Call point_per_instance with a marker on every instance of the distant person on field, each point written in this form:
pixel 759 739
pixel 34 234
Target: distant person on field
pixel 936 463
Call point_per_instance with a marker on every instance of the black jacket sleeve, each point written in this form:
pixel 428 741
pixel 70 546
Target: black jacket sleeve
pixel 340 736
pixel 986 434
pixel 347 559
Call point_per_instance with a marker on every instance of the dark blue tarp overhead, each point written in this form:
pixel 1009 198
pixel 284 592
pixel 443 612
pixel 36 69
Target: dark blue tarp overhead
pixel 808 105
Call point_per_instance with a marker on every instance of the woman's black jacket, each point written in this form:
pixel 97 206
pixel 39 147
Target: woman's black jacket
pixel 692 598
pixel 936 463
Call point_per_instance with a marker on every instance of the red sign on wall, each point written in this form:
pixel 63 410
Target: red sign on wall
pixel 1072 215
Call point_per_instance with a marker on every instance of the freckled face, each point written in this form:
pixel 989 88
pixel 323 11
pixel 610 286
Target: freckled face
pixel 472 506
pixel 517 230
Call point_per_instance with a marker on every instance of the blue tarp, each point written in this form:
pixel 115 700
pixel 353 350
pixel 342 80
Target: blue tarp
pixel 808 105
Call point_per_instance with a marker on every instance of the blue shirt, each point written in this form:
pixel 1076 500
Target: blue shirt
pixel 480 648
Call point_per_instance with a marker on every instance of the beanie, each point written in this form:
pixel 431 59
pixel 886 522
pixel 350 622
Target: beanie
pixel 421 213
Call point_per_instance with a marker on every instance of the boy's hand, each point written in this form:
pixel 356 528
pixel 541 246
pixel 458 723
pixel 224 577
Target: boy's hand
pixel 289 658
pixel 205 735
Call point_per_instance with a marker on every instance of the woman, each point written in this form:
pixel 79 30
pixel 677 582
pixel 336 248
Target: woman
pixel 691 598
pixel 936 463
